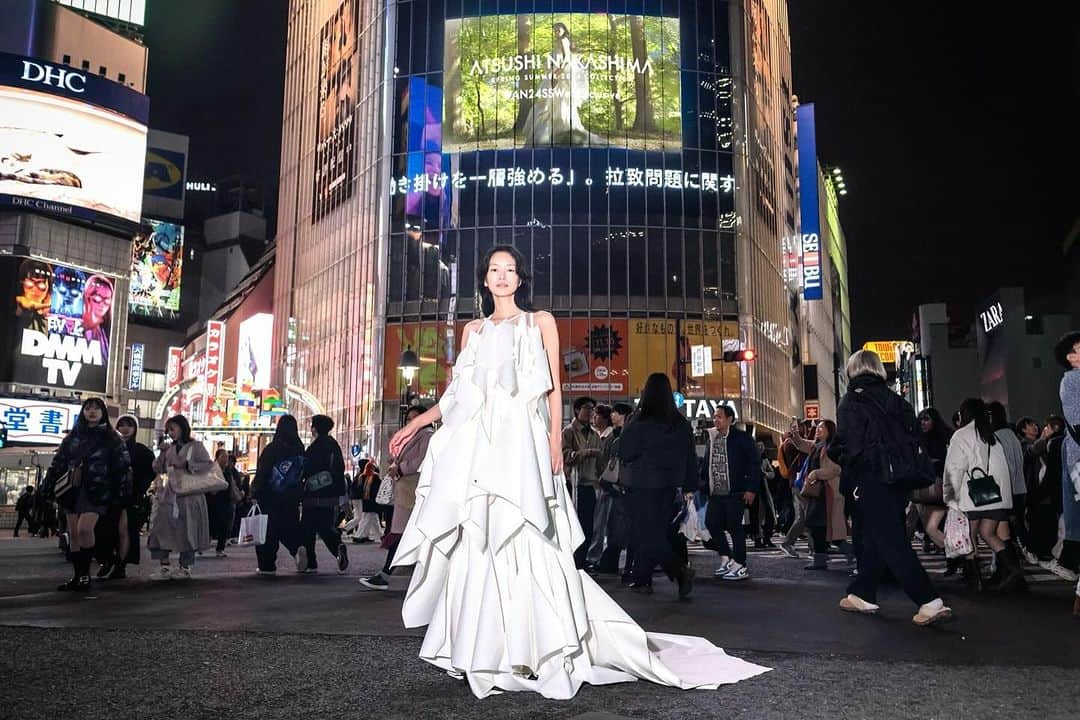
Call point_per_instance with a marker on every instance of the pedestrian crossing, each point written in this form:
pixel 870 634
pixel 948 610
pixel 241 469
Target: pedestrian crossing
pixel 934 564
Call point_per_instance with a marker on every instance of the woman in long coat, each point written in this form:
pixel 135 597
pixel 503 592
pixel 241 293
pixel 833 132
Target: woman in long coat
pixel 178 523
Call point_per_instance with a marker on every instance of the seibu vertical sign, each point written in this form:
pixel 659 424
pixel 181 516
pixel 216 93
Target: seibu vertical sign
pixel 809 204
pixel 215 353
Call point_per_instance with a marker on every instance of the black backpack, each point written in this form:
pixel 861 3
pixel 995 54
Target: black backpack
pixel 901 459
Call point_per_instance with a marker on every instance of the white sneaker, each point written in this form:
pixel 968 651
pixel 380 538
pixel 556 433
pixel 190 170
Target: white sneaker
pixel 789 550
pixel 182 573
pixel 1058 569
pixel 301 560
pixel 932 612
pixel 854 603
pixel 736 572
pixel 220 554
pixel 164 572
pixel 723 569
pixel 1030 558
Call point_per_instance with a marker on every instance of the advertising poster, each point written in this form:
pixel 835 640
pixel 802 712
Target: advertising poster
pixel 432 345
pixel 157 257
pixel 60 325
pixel 37 421
pixel 594 357
pixel 562 79
pixel 339 79
pixel 215 356
pixel 653 346
pixel 63 155
pixel 253 355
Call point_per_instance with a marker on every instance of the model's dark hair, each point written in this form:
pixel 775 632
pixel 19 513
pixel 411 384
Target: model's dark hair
pixel 623 408
pixel 30 267
pixel 1064 346
pixel 582 402
pixel 523 295
pixel 322 424
pixel 604 411
pixel 728 411
pixel 831 427
pixel 973 410
pixel 658 401
pixel 183 425
pixel 81 420
pixel 1024 422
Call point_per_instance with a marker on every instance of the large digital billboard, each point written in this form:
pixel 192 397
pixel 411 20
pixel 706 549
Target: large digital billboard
pixel 339 81
pixel 157 258
pixel 71 144
pixel 59 326
pixel 37 422
pixel 562 79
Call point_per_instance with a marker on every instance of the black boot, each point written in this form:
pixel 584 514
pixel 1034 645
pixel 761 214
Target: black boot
pixel 1012 572
pixel 973 575
pixel 951 566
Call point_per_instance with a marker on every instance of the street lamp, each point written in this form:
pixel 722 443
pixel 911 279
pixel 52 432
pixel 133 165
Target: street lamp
pixel 409 365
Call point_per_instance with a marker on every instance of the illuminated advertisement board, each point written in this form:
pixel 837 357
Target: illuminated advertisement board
pixel 810 239
pixel 157 256
pixel 253 354
pixel 339 80
pixel 562 79
pixel 37 422
pixel 71 144
pixel 59 326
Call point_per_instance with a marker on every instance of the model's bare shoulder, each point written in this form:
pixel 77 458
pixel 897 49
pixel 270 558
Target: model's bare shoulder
pixel 473 325
pixel 544 319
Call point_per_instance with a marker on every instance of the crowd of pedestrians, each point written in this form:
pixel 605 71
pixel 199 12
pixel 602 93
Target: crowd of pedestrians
pixel 862 486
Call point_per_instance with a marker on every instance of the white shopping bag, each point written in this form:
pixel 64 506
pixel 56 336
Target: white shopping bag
pixel 252 527
pixel 957 535
pixel 693 527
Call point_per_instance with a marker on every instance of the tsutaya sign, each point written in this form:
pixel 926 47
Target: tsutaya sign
pixel 992 317
pixel 705 408
pixel 215 351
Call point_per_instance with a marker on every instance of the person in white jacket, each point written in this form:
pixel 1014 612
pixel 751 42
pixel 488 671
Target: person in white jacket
pixel 974 451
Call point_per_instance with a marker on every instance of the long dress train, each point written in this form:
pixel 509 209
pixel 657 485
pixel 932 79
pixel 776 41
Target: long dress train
pixel 492 537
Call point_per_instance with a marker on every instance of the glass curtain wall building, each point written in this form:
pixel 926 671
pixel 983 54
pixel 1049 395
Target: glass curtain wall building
pixel 602 139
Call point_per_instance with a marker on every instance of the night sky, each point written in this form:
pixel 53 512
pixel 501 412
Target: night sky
pixel 955 126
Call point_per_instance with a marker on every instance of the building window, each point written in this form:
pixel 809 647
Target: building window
pixel 103 71
pixel 153 382
pixel 67 59
pixel 122 77
pixel 85 64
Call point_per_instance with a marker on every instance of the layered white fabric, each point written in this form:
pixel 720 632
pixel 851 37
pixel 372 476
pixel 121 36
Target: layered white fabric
pixel 492 537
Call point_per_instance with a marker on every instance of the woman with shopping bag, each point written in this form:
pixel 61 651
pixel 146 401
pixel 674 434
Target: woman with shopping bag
pixel 977 484
pixel 178 519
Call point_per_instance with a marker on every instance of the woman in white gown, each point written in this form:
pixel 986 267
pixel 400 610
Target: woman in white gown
pixel 555 117
pixel 493 533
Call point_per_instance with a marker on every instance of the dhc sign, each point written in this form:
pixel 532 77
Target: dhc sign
pixel 55 76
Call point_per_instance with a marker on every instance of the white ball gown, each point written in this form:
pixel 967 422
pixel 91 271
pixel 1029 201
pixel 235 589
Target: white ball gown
pixel 492 537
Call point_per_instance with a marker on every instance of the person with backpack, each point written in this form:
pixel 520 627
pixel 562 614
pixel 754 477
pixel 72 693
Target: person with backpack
pixel 277 488
pixel 324 486
pixel 875 431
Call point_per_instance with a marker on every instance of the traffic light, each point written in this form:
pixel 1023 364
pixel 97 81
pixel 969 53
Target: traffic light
pixel 746 355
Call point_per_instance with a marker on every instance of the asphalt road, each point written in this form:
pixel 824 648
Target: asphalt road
pixel 228 644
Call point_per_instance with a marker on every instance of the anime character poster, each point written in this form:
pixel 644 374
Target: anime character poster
pixel 63 325
pixel 156 263
pixel 339 82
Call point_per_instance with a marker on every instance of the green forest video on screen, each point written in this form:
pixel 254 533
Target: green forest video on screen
pixel 562 79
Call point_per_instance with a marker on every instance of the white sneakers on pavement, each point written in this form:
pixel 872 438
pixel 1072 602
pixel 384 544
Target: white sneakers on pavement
pixel 164 572
pixel 1058 569
pixel 736 571
pixel 789 550
pixel 301 560
pixel 182 573
pixel 723 569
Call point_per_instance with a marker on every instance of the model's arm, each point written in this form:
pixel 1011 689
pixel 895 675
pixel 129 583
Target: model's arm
pixel 550 333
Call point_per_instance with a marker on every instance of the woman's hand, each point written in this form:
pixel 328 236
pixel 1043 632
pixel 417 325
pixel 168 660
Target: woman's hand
pixel 556 455
pixel 402 437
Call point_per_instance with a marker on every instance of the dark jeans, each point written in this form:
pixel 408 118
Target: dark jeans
pixel 319 521
pixel 1042 529
pixel 586 509
pixel 220 512
pixel 620 532
pixel 30 524
pixel 1018 522
pixel 725 512
pixel 282 528
pixel 885 547
pixel 657 541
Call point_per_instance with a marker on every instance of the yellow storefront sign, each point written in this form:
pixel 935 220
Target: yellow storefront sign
pixel 886 349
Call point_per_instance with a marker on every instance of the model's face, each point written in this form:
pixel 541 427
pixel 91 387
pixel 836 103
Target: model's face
pixel 92 413
pixel 126 430
pixel 721 421
pixel 502 275
pixel 98 302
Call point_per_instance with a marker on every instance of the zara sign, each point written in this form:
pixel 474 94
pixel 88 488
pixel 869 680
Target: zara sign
pixel 992 317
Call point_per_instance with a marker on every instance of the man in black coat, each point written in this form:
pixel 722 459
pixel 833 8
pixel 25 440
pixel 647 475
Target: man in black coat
pixel 324 487
pixel 732 478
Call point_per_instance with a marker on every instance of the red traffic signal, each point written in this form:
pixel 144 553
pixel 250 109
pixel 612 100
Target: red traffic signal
pixel 746 355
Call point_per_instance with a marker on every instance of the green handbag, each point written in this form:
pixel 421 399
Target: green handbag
pixel 982 487
pixel 318 481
